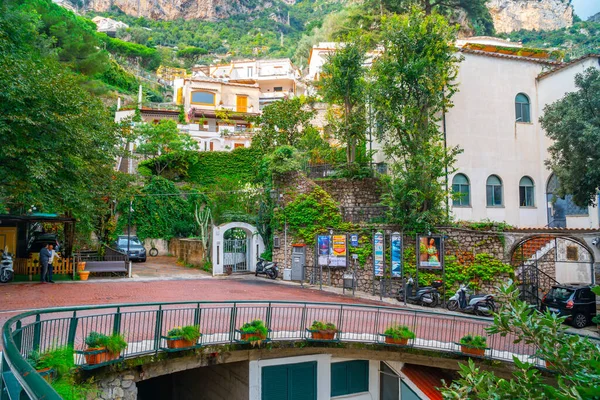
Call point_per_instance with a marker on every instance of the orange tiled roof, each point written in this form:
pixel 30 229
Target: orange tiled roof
pixel 427 379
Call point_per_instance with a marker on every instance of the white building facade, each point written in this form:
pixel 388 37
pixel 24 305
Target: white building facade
pixel 495 120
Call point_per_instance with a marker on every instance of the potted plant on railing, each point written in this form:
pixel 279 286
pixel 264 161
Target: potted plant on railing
pixel 253 332
pixel 473 345
pixel 183 336
pixel 102 348
pixel 398 334
pixel 322 330
pixel 52 364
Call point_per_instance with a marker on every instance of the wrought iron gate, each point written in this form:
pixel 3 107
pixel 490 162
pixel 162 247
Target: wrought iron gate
pixel 235 254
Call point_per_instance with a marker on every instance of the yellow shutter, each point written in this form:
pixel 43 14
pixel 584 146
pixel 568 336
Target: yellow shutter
pixel 179 96
pixel 242 104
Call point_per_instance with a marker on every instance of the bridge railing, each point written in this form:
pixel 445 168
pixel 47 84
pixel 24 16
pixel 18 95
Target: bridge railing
pixel 144 327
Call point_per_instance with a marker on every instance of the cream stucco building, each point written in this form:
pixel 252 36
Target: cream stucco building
pixel 495 120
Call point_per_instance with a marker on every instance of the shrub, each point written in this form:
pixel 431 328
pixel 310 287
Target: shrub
pixel 114 343
pixel 399 332
pixel 256 327
pixel 190 333
pixel 95 339
pixel 60 360
pixel 322 326
pixel 476 342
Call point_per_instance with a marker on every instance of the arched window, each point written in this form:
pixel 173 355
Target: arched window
pixel 526 192
pixel 460 189
pixel 494 191
pixel 522 108
pixel 203 98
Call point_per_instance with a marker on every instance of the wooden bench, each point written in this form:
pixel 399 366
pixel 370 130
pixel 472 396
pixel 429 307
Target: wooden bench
pixel 106 266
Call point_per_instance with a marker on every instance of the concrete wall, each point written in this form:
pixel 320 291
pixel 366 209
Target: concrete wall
pixel 190 251
pixel 218 382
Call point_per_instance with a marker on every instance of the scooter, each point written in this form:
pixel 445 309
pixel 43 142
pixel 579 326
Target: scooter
pixel 6 267
pixel 265 267
pixel 480 304
pixel 425 296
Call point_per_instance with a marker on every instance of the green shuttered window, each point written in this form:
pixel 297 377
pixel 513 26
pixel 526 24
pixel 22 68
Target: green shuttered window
pixel 290 382
pixel 349 377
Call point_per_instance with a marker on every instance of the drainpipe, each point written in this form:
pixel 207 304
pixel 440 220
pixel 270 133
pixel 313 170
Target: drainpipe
pixel 446 166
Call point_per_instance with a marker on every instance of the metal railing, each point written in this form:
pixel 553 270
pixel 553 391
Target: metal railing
pixel 145 325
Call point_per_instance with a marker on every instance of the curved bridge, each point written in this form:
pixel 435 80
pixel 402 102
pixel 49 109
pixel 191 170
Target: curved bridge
pixel 145 325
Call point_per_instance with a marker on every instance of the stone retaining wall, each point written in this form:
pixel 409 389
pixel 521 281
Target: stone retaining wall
pixel 190 251
pixel 116 386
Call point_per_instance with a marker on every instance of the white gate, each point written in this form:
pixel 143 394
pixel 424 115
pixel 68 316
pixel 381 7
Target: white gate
pixel 235 254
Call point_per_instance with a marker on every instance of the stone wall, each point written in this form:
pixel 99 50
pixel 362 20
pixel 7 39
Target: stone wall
pixel 460 243
pixel 190 251
pixel 116 387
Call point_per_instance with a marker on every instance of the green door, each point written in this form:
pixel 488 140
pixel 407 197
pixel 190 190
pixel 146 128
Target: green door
pixel 290 382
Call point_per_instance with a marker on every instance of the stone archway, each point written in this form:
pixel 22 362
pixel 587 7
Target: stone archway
pixel 252 249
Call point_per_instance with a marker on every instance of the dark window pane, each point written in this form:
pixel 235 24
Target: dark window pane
pixel 518 112
pixel 522 201
pixel 526 117
pixel 489 195
pixel 529 197
pixel 497 195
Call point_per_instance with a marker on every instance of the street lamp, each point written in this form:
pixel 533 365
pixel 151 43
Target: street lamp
pixel 129 226
pixel 278 199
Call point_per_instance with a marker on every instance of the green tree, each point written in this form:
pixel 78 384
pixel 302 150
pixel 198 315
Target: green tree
pixel 343 85
pixel 163 138
pixel 59 143
pixel 283 122
pixel 574 358
pixel 412 86
pixel 573 123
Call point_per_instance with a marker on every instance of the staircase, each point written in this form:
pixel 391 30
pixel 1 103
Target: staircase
pixel 533 282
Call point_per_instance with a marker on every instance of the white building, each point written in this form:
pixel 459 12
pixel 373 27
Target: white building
pixel 495 120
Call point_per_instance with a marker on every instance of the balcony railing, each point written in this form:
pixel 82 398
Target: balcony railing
pixel 145 326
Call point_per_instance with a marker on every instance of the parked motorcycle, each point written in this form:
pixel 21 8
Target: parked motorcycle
pixel 6 267
pixel 426 296
pixel 480 304
pixel 265 267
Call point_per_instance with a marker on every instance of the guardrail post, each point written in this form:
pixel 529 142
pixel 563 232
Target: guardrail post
pixel 18 336
pixel 158 328
pixel 197 313
pixel 72 329
pixel 340 319
pixel 232 322
pixel 269 314
pixel 303 322
pixel 376 330
pixel 37 333
pixel 117 322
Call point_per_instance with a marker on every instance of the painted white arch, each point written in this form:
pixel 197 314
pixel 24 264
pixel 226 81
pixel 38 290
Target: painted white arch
pixel 256 247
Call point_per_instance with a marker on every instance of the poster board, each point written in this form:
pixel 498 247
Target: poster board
pixel 339 251
pixel 378 254
pixel 323 249
pixel 430 252
pixel 396 254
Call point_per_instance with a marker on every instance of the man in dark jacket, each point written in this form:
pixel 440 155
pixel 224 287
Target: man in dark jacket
pixel 45 255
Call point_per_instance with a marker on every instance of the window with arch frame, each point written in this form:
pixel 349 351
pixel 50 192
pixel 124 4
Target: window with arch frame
pixel 494 191
pixel 461 191
pixel 526 192
pixel 522 108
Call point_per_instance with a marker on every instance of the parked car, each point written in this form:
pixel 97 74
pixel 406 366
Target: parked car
pixel 576 301
pixel 137 252
pixel 39 240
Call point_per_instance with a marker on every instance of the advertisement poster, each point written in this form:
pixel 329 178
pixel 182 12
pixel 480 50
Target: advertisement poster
pixel 323 243
pixel 430 254
pixel 354 240
pixel 396 256
pixel 338 258
pixel 378 254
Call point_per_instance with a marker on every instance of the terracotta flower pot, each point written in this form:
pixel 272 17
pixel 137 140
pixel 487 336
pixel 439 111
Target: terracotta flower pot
pixel 80 266
pixel 178 343
pixel 46 373
pixel 247 336
pixel 472 351
pixel 94 358
pixel 391 340
pixel 84 275
pixel 323 335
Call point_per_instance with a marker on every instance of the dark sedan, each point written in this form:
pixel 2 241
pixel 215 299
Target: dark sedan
pixel 575 301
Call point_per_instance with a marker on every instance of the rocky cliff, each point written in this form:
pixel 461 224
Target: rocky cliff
pixel 512 15
pixel 174 9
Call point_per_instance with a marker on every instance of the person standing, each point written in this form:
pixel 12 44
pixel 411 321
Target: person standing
pixel 45 255
pixel 53 255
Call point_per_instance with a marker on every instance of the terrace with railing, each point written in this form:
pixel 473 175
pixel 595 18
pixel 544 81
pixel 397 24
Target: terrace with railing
pixel 144 327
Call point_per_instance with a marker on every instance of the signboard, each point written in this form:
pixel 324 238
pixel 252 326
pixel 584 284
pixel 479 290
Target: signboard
pixel 339 251
pixel 430 252
pixel 323 248
pixel 378 254
pixel 354 240
pixel 396 254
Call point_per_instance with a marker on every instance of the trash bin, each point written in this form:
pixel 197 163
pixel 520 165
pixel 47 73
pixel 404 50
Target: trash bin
pixel 348 281
pixel 287 274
